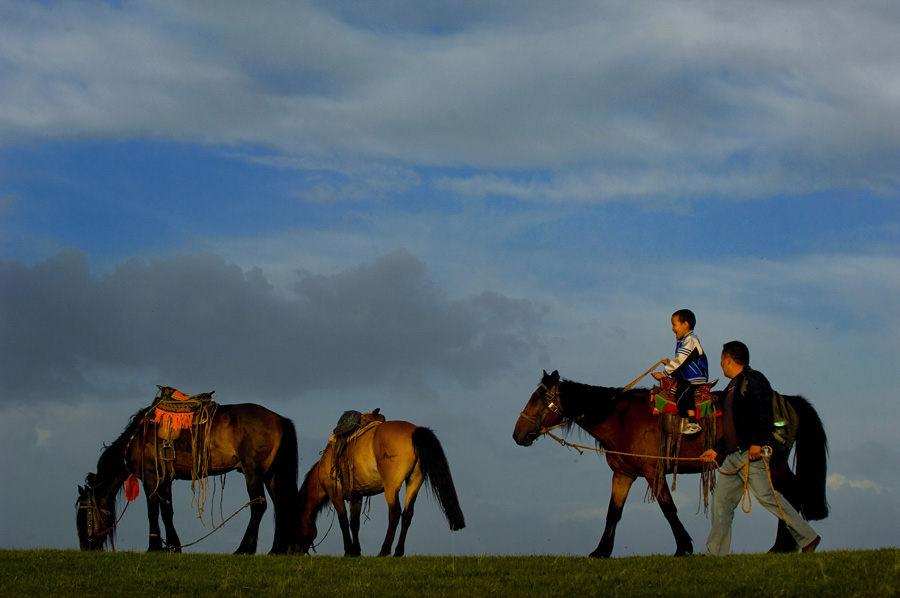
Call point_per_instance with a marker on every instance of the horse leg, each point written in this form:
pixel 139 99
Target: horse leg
pixel 286 537
pixel 164 495
pixel 413 485
pixel 684 546
pixel 153 517
pixel 257 494
pixel 392 496
pixel 621 484
pixel 355 511
pixel 340 510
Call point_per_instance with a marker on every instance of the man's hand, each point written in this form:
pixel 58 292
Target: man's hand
pixel 659 375
pixel 755 452
pixel 709 456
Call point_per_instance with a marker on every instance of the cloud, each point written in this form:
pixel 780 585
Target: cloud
pixel 837 481
pixel 43 437
pixel 656 99
pixel 201 323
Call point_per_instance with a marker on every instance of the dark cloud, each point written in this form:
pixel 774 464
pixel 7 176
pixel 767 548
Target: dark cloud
pixel 200 323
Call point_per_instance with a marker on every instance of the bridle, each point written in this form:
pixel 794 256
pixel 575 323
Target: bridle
pixel 88 502
pixel 550 398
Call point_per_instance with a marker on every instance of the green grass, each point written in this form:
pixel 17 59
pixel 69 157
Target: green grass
pixel 62 573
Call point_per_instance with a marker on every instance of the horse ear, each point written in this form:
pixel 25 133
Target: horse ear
pixel 555 375
pixel 377 409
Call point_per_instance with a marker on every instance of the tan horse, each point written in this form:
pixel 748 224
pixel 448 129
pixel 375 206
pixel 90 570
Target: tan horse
pixel 378 459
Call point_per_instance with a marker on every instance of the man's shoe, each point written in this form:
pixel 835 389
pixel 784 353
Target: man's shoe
pixel 811 547
pixel 691 428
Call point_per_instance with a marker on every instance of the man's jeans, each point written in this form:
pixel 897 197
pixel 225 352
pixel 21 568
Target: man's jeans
pixel 727 495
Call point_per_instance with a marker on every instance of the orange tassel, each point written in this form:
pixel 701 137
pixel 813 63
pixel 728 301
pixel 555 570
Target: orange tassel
pixel 176 421
pixel 132 488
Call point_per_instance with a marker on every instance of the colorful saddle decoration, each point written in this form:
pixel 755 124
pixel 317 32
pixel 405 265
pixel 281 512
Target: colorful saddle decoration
pixel 662 398
pixel 174 410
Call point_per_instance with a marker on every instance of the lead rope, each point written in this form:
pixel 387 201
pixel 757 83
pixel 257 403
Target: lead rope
pixel 260 499
pixel 745 465
pixel 766 451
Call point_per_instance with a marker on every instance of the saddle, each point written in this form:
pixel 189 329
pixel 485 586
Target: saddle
pixel 173 411
pixel 350 426
pixel 662 399
pixel 662 402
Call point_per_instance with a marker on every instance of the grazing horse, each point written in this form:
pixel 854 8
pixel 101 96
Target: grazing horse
pixel 622 422
pixel 247 437
pixel 378 459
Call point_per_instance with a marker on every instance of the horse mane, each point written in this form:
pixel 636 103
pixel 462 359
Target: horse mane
pixel 112 459
pixel 303 494
pixel 594 403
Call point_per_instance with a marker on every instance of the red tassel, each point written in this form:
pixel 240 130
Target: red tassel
pixel 132 488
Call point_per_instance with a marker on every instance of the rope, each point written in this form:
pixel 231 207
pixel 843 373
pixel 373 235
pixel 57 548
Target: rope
pixel 746 494
pixel 638 379
pixel 221 525
pixel 745 465
pixel 330 525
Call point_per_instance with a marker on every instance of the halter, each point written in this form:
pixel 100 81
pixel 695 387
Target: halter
pixel 550 398
pixel 89 504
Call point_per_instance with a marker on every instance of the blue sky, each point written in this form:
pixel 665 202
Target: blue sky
pixel 321 206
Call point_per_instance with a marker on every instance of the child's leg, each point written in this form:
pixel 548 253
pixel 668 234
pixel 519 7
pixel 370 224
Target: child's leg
pixel 684 398
pixel 685 402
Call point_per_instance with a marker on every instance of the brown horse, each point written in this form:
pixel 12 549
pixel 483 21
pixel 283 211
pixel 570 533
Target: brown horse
pixel 247 437
pixel 622 422
pixel 379 459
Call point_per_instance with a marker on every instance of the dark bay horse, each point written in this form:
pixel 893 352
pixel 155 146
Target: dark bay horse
pixel 380 459
pixel 245 437
pixel 622 422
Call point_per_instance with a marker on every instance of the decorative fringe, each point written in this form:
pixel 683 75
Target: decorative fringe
pixel 132 488
pixel 173 420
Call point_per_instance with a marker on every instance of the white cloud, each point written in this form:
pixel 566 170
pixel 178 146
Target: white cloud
pixel 43 437
pixel 837 481
pixel 684 100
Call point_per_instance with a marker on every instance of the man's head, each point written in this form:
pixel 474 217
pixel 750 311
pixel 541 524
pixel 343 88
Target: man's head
pixel 735 357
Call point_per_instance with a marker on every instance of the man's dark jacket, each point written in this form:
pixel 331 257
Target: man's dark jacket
pixel 752 411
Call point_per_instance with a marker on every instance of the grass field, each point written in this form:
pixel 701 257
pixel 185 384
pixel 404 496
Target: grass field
pixel 63 573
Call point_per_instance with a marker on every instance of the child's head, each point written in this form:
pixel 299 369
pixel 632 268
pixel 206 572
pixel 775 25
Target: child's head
pixel 683 321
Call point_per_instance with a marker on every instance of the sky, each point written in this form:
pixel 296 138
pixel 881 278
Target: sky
pixel 323 206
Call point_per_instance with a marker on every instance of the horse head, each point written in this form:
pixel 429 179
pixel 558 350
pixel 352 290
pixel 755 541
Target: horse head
pixel 312 498
pixel 91 518
pixel 542 411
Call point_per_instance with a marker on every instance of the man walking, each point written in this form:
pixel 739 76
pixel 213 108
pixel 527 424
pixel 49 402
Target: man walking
pixel 748 423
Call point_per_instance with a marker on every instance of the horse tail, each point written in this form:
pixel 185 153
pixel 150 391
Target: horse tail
pixel 284 472
pixel 437 473
pixel 810 460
